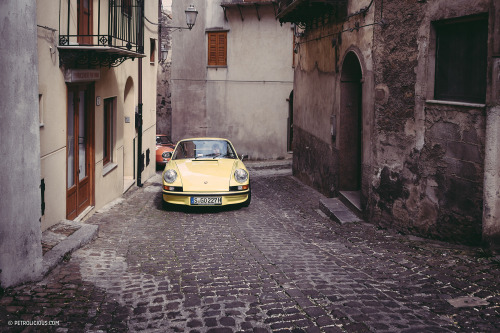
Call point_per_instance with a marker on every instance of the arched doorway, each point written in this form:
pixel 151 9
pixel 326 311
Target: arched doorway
pixel 350 132
pixel 129 135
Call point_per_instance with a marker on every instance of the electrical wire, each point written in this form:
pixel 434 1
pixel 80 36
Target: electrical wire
pixel 44 27
pixel 150 21
pixel 361 11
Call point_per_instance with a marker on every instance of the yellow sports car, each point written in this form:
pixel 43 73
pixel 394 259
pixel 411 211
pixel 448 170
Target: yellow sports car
pixel 206 172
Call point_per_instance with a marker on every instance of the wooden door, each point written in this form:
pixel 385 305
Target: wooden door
pixel 78 195
pixel 351 136
pixel 351 131
pixel 85 22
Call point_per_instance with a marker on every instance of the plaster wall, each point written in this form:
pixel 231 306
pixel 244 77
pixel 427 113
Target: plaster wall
pixel 52 118
pixel 20 234
pixel 246 101
pixel 248 98
pixel 188 73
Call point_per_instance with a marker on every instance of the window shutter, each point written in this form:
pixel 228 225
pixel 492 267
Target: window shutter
pixel 212 49
pixel 217 48
pixel 222 45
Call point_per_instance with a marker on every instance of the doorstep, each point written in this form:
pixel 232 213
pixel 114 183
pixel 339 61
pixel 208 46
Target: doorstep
pixel 337 211
pixel 62 239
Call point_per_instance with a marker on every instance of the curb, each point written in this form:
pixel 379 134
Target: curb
pixel 82 236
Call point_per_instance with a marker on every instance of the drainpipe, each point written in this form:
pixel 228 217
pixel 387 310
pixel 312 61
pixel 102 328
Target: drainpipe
pixel 140 155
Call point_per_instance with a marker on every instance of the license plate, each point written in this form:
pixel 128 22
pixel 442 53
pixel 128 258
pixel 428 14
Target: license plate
pixel 206 201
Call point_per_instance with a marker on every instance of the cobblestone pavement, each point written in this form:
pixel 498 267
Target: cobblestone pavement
pixel 278 265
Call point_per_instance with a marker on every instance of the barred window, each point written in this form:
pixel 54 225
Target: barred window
pixel 461 56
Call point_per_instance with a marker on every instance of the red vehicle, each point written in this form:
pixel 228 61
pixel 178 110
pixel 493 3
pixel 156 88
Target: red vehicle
pixel 164 149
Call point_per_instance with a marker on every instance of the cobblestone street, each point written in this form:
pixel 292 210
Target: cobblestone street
pixel 279 265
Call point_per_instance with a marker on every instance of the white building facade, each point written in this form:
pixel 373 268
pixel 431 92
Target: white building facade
pixel 232 76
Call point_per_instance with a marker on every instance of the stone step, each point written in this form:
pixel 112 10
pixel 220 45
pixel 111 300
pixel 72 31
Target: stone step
pixel 337 211
pixel 352 200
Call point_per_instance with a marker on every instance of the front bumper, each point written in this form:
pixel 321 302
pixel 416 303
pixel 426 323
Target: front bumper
pixel 184 198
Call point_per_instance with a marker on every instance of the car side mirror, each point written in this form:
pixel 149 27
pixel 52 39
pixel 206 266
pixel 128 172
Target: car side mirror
pixel 242 156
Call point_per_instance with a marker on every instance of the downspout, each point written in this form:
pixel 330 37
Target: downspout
pixel 140 155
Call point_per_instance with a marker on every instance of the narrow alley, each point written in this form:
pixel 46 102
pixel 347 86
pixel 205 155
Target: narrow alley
pixel 279 265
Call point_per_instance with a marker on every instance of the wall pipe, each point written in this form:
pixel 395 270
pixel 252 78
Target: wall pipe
pixel 140 158
pixel 138 118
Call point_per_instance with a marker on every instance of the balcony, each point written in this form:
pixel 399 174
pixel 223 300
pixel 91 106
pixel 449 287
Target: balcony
pixel 227 4
pixel 311 12
pixel 100 33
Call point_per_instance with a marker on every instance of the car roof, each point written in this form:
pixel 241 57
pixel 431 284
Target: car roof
pixel 204 138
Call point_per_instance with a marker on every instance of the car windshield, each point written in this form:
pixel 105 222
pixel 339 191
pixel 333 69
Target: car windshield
pixel 162 140
pixel 203 149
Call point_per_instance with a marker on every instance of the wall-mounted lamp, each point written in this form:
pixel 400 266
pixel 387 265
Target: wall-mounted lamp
pixel 296 31
pixel 191 14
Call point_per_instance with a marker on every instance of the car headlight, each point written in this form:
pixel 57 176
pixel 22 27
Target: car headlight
pixel 170 176
pixel 240 175
pixel 166 154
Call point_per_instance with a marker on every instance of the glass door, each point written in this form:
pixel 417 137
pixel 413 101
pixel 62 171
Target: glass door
pixel 78 147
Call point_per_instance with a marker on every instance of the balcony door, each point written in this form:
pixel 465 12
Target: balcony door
pixel 79 151
pixel 85 22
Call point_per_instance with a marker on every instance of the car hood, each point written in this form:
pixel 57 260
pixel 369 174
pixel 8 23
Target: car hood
pixel 205 175
pixel 161 149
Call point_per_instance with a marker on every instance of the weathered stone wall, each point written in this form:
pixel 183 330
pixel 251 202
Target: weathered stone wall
pixel 428 170
pixel 315 163
pixel 164 94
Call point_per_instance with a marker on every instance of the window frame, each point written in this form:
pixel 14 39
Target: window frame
pixel 108 130
pixel 437 85
pixel 152 51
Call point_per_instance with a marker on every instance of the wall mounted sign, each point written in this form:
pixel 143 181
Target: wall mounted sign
pixel 81 75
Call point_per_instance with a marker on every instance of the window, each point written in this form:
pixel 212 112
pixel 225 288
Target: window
pixel 217 48
pixel 461 55
pixel 152 50
pixel 107 149
pixel 40 110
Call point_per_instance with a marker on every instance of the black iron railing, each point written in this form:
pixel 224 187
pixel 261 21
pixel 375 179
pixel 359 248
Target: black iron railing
pixel 119 24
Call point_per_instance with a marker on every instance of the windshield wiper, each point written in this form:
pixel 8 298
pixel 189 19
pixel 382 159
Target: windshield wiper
pixel 221 156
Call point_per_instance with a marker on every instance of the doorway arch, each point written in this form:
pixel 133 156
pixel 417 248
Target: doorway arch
pixel 350 131
pixel 130 132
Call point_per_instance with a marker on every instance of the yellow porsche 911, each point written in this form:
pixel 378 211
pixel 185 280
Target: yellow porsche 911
pixel 206 172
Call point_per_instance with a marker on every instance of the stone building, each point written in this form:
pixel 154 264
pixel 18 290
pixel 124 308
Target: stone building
pixel 396 106
pixel 232 76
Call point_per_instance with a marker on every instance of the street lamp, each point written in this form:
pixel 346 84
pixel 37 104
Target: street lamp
pixel 191 14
